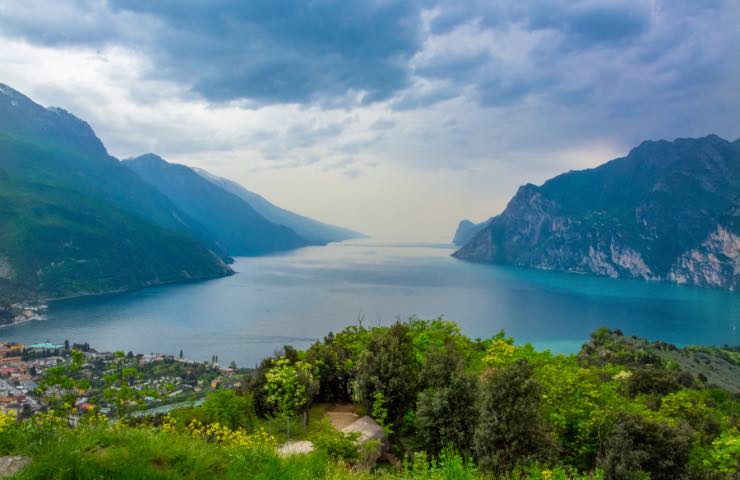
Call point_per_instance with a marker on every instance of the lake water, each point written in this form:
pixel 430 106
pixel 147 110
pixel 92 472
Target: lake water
pixel 300 296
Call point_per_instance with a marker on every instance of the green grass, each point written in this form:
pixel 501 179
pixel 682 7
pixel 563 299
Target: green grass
pixel 104 451
pixel 143 453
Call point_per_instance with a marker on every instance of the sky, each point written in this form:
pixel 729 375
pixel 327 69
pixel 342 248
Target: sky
pixel 394 118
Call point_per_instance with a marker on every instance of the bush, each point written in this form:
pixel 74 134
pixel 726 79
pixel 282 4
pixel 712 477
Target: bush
pixel 445 412
pixel 230 409
pixel 338 445
pixel 651 380
pixel 510 430
pixel 639 448
pixel 388 366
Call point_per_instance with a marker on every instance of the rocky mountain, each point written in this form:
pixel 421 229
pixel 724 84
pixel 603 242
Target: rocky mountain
pixel 316 232
pixel 466 230
pixel 237 227
pixel 667 211
pixel 74 220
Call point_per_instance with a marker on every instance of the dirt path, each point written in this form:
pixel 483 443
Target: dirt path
pixel 341 415
pixel 10 465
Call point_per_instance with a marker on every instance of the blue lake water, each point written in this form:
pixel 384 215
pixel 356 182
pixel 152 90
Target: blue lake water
pixel 300 296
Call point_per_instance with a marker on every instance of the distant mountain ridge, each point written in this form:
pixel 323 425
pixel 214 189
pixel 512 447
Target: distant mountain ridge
pixel 667 211
pixel 312 230
pixel 235 225
pixel 74 221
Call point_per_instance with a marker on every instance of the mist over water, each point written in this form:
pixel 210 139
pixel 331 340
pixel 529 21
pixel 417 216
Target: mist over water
pixel 298 297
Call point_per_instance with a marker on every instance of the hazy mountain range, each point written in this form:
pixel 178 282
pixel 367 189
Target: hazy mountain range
pixel 667 211
pixel 313 231
pixel 75 220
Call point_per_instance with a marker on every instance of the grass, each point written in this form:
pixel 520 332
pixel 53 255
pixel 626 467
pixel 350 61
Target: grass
pixel 114 451
pixel 146 453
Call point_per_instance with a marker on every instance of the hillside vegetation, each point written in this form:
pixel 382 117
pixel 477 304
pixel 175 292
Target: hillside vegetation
pixel 74 221
pixel 453 407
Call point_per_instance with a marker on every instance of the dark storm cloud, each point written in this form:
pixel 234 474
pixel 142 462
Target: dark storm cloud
pixel 325 52
pixel 275 51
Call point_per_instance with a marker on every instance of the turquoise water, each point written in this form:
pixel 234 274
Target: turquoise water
pixel 300 296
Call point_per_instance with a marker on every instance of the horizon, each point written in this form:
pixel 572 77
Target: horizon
pixel 395 120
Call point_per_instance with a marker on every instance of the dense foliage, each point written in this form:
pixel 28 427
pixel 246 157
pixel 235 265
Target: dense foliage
pixel 454 407
pixel 621 406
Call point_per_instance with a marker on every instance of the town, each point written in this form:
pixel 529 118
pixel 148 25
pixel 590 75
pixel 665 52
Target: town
pixel 78 378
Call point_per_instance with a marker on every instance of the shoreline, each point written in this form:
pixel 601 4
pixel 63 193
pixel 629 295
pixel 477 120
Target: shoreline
pixel 22 321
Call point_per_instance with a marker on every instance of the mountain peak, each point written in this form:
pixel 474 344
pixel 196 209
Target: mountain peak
pixel 10 91
pixel 26 119
pixel 149 159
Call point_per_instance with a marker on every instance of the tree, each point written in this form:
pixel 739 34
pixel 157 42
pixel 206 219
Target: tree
pixel 257 386
pixel 445 413
pixel 652 380
pixel 388 366
pixel 637 446
pixel 510 429
pixel 334 369
pixel 230 409
pixel 181 353
pixel 290 387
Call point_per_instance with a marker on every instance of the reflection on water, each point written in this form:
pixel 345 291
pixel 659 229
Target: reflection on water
pixel 300 296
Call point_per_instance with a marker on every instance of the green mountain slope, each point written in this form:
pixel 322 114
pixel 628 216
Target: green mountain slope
pixel 236 225
pixel 59 242
pixel 52 146
pixel 74 221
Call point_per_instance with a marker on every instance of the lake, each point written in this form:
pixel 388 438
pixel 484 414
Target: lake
pixel 297 297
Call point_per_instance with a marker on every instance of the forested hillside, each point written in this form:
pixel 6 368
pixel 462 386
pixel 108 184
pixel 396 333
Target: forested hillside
pixel 74 221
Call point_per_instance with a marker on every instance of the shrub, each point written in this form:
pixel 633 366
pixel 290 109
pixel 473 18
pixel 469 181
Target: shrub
pixel 388 366
pixel 445 412
pixel 510 429
pixel 338 445
pixel 639 448
pixel 229 408
pixel 652 380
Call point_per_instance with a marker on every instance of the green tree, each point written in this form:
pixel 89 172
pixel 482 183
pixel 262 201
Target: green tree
pixel 229 408
pixel 335 372
pixel 388 366
pixel 445 413
pixel 639 448
pixel 510 429
pixel 256 386
pixel 290 387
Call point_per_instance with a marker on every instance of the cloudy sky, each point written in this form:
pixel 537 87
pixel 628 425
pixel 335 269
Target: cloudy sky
pixel 393 118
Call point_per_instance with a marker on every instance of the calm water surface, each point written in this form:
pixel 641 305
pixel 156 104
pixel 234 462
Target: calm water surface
pixel 300 296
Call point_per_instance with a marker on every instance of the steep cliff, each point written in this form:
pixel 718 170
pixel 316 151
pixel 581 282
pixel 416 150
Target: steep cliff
pixel 667 211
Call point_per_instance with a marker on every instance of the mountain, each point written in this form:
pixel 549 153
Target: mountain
pixel 466 230
pixel 52 146
pixel 74 221
pixel 667 211
pixel 238 228
pixel 314 231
